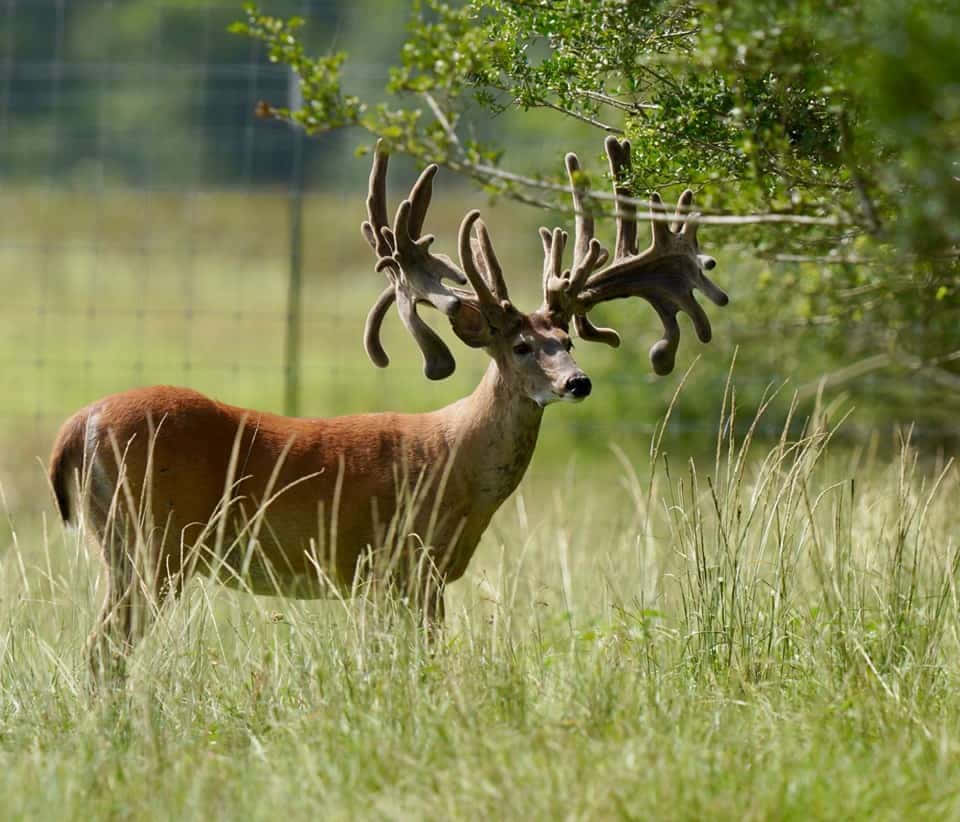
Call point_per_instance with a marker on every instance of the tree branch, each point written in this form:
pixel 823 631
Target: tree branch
pixel 856 259
pixel 583 118
pixel 842 375
pixel 866 202
pixel 613 102
pixel 930 368
pixel 716 218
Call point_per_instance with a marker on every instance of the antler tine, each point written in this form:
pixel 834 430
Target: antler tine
pixel 479 263
pixel 491 264
pixel 546 238
pixel 583 217
pixel 588 254
pixel 554 243
pixel 422 271
pixel 438 362
pixel 618 154
pixel 558 243
pixel 663 353
pixel 377 203
pixel 586 265
pixel 592 333
pixel 484 296
pixel 371 329
pixel 679 224
pixel 659 228
pixel 715 294
pixel 420 196
pixel 372 229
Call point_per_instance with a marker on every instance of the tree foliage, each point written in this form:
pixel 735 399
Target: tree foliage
pixel 826 133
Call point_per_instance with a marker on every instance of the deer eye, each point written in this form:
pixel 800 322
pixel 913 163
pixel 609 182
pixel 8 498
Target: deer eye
pixel 521 349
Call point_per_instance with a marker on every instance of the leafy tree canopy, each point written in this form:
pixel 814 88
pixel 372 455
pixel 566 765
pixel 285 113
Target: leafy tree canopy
pixel 825 133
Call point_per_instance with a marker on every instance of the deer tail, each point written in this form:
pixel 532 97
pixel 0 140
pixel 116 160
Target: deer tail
pixel 66 461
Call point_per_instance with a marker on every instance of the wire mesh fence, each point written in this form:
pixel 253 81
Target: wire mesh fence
pixel 149 222
pixel 152 230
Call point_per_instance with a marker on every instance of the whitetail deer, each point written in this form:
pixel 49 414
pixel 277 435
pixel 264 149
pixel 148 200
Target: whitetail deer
pixel 169 481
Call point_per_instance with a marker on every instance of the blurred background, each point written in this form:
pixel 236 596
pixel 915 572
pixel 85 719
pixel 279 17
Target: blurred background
pixel 152 230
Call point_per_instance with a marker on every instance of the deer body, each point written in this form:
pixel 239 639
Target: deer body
pixel 337 482
pixel 171 482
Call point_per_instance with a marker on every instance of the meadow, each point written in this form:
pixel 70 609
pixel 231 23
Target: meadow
pixel 694 607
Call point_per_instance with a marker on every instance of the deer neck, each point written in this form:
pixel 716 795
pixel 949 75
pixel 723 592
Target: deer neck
pixel 494 432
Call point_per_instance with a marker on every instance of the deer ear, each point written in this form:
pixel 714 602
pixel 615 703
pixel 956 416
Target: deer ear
pixel 471 326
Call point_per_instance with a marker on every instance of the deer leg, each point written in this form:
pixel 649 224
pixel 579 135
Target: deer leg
pixel 121 617
pixel 135 589
pixel 414 580
pixel 434 613
pixel 428 602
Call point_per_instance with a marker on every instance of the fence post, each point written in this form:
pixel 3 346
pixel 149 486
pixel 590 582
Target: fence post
pixel 291 390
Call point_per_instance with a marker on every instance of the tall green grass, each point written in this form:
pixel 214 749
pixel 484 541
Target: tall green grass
pixel 772 633
pixel 767 631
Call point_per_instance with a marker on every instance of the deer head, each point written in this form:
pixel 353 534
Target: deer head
pixel 531 350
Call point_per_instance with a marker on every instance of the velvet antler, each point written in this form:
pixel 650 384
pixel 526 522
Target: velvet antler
pixel 416 275
pixel 665 274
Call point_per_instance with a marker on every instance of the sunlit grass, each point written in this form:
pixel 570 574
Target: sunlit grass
pixel 774 635
pixel 767 631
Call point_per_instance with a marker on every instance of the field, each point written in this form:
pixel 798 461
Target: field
pixel 679 615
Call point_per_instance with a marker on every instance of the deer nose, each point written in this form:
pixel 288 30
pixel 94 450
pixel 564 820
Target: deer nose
pixel 579 386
